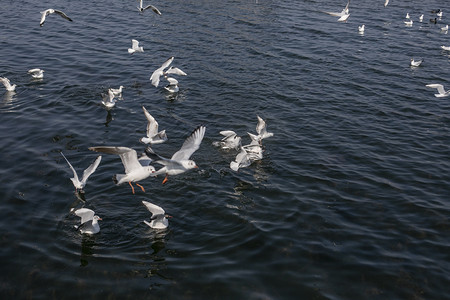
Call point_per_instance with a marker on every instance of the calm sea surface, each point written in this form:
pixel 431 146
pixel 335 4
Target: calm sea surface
pixel 351 199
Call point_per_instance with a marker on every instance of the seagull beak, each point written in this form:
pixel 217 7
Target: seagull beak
pixel 100 219
pixel 196 167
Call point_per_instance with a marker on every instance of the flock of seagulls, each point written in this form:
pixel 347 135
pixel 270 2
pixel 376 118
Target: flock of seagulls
pixel 414 63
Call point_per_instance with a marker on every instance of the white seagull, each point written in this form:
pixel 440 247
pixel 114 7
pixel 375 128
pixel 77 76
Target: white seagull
pixel 361 28
pixel 416 63
pixel 446 48
pixel 409 23
pixel 36 73
pixel 160 71
pixel 386 3
pixel 7 84
pixel 153 136
pixel 141 8
pixel 180 162
pixel 49 11
pixel 440 89
pixel 261 130
pixel 89 221
pixel 108 100
pixel 134 169
pixel 445 28
pixel 344 18
pixel 242 160
pixel 439 14
pixel 407 16
pixel 117 92
pixel 158 218
pixel 343 12
pixel 421 18
pixel 172 86
pixel 79 185
pixel 135 47
pixel 230 141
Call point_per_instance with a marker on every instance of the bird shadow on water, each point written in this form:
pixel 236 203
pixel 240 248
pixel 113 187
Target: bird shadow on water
pixel 87 245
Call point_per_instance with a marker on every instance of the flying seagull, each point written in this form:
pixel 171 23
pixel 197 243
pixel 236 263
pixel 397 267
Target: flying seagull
pixel 141 8
pixel 440 89
pixel 7 84
pixel 79 185
pixel 134 170
pixel 49 11
pixel 89 221
pixel 135 47
pixel 159 217
pixel 154 78
pixel 36 73
pixel 153 136
pixel 230 140
pixel 180 162
pixel 108 100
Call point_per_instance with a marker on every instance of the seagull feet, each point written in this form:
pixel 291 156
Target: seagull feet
pixel 142 188
pixel 132 188
pixel 165 179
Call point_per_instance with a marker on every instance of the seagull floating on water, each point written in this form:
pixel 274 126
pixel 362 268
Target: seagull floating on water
pixel 440 89
pixel 108 100
pixel 135 47
pixel 407 16
pixel 160 71
pixel 261 130
pixel 36 73
pixel 409 23
pixel 416 63
pixel 180 162
pixel 79 185
pixel 153 136
pixel 89 221
pixel 134 169
pixel 421 18
pixel 172 86
pixel 159 217
pixel 361 28
pixel 446 48
pixel 117 92
pixel 242 160
pixel 141 8
pixel 49 11
pixel 445 28
pixel 439 14
pixel 230 141
pixel 7 84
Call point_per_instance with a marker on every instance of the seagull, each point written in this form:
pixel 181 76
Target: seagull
pixel 445 28
pixel 173 85
pixel 153 136
pixel 108 100
pixel 446 48
pixel 407 16
pixel 180 162
pixel 134 170
pixel 160 71
pixel 343 12
pixel 344 18
pixel 230 141
pixel 79 185
pixel 409 23
pixel 440 89
pixel 36 73
pixel 7 84
pixel 135 47
pixel 141 8
pixel 421 18
pixel 242 160
pixel 439 14
pixel 49 11
pixel 361 28
pixel 117 92
pixel 386 3
pixel 416 63
pixel 159 216
pixel 261 130
pixel 89 221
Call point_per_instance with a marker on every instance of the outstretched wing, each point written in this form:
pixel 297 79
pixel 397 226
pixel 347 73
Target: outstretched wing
pixel 175 71
pixel 127 155
pixel 85 214
pixel 63 15
pixel 154 209
pixel 152 125
pixel 75 176
pixel 134 44
pixel 153 8
pixel 190 145
pixel 91 169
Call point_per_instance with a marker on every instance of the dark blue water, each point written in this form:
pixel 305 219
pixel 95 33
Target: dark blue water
pixel 351 199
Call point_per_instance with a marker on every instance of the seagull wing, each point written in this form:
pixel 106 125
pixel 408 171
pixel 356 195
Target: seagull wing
pixel 153 8
pixel 5 82
pixel 152 125
pixel 439 87
pixel 346 7
pixel 160 71
pixel 134 44
pixel 228 133
pixel 127 155
pixel 154 209
pixel 75 176
pixel 261 126
pixel 91 169
pixel 63 15
pixel 176 71
pixel 190 145
pixel 85 214
pixel 43 15
pixel 172 81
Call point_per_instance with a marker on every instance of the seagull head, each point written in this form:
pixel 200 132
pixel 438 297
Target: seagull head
pixel 97 218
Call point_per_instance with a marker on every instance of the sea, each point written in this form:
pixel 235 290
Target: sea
pixel 350 200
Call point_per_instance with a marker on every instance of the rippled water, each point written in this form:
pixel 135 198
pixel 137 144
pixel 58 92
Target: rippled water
pixel 349 202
